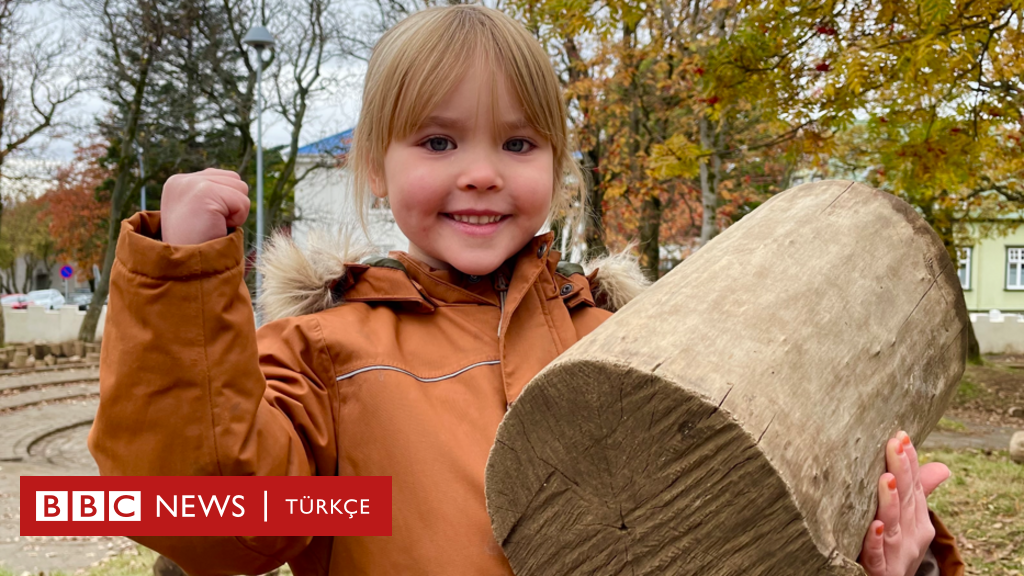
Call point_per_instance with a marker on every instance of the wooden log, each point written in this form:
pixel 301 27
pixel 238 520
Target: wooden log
pixel 732 419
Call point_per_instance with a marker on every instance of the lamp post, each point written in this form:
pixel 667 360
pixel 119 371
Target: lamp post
pixel 142 177
pixel 259 38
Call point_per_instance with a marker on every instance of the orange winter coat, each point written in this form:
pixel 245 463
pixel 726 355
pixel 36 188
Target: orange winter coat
pixel 387 368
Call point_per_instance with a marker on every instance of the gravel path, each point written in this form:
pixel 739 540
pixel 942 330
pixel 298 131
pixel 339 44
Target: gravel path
pixel 978 436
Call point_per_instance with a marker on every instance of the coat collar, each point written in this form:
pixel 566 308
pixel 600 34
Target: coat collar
pixel 333 269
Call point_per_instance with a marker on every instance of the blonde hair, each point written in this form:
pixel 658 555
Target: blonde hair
pixel 418 61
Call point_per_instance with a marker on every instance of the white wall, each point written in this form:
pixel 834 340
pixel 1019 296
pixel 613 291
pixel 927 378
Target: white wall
pixel 323 200
pixel 999 333
pixel 39 323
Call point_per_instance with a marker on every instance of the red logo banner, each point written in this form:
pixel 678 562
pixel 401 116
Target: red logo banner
pixel 205 505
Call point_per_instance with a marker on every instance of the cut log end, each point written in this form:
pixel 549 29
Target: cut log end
pixel 638 476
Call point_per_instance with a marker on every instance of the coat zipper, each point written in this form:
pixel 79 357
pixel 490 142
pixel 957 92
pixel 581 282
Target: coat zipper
pixel 502 287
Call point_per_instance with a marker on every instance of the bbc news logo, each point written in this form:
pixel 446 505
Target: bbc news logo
pixel 205 505
pixel 88 506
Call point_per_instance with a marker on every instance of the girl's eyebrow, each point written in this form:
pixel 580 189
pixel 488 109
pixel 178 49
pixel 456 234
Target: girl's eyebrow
pixel 516 125
pixel 443 122
pixel 447 123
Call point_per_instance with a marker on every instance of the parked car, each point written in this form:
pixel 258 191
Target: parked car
pixel 50 298
pixel 82 300
pixel 15 301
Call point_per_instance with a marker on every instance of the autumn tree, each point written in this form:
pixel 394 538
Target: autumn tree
pixel 38 80
pixel 77 212
pixel 24 240
pixel 131 35
pixel 673 99
pixel 942 87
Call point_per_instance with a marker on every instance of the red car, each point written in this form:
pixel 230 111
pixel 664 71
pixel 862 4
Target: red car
pixel 15 301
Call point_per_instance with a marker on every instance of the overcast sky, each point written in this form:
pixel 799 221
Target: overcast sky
pixel 325 117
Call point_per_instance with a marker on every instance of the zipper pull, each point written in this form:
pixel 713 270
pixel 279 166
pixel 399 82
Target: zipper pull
pixel 502 286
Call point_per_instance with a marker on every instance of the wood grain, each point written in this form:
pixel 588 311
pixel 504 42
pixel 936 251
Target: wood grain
pixel 731 419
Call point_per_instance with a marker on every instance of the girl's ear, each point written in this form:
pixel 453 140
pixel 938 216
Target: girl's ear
pixel 377 185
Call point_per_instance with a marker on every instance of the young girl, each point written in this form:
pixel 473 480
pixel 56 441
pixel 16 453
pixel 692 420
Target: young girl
pixel 403 366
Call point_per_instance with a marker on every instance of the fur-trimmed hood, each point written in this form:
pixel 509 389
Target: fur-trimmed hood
pixel 298 282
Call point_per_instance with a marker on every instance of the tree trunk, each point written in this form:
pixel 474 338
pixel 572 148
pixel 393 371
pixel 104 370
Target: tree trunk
pixel 3 327
pixel 593 233
pixel 732 419
pixel 118 196
pixel 973 348
pixel 650 230
pixel 709 177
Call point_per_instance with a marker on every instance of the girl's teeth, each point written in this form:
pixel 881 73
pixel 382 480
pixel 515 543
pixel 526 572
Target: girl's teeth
pixel 475 219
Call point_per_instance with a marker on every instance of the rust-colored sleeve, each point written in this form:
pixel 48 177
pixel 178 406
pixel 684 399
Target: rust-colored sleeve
pixel 947 556
pixel 188 388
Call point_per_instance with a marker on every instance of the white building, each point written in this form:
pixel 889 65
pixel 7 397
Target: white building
pixel 323 200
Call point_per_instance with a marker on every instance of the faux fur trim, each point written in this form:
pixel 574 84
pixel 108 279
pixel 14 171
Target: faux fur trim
pixel 619 279
pixel 298 282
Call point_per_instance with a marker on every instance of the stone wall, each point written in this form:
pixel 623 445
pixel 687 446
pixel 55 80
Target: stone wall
pixel 36 324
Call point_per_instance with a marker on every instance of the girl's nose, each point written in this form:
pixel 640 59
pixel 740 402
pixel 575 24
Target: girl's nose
pixel 480 173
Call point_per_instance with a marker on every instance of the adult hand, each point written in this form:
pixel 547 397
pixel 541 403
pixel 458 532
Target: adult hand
pixel 201 206
pixel 901 532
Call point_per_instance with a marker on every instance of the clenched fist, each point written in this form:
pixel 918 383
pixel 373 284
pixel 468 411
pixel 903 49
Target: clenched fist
pixel 201 206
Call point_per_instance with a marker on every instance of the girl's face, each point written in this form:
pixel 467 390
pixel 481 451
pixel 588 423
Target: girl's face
pixel 466 197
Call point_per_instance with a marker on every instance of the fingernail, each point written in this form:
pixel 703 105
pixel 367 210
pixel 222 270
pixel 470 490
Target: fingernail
pixel 879 529
pixel 899 448
pixel 906 439
pixel 892 483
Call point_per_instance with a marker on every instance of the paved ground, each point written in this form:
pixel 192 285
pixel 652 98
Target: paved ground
pixel 44 420
pixel 978 436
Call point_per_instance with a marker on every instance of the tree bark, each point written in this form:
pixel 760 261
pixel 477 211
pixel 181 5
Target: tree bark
pixel 973 347
pixel 650 230
pixel 118 197
pixel 709 177
pixel 732 419
pixel 593 233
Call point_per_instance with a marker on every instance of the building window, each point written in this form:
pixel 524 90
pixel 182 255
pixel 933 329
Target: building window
pixel 1015 268
pixel 964 256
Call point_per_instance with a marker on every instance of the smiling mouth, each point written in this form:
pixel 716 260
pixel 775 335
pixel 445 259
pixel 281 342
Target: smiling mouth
pixel 477 220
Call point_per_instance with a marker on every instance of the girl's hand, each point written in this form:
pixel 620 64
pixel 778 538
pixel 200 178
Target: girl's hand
pixel 201 206
pixel 899 536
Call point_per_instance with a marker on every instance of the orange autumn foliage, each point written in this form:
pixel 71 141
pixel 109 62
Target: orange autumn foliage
pixel 77 213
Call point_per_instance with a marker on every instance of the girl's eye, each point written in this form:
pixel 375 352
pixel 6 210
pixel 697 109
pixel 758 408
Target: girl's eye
pixel 439 144
pixel 518 145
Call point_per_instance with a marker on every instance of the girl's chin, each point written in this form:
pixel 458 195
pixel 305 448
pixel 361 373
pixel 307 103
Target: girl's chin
pixel 479 263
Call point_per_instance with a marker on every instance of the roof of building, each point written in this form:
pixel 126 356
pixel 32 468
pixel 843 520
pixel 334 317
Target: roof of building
pixel 335 145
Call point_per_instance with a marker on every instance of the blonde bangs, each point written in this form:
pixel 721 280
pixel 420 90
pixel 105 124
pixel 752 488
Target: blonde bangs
pixel 421 59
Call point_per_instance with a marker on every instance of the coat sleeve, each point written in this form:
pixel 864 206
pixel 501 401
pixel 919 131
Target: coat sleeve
pixel 187 387
pixel 947 557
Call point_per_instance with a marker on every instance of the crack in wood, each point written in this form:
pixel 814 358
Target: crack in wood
pixel 765 429
pixel 935 281
pixel 836 198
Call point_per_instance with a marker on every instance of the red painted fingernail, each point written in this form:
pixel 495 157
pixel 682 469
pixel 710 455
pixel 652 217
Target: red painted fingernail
pixel 899 448
pixel 906 440
pixel 879 530
pixel 892 483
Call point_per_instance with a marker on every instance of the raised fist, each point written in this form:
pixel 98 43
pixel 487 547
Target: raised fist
pixel 201 206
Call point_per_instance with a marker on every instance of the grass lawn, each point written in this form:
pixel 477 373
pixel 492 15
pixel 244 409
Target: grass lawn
pixel 983 505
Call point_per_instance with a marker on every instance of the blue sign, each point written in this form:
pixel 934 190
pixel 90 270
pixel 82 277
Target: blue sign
pixel 66 272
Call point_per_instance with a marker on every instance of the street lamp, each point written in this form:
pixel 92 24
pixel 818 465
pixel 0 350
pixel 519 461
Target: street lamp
pixel 142 177
pixel 259 38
